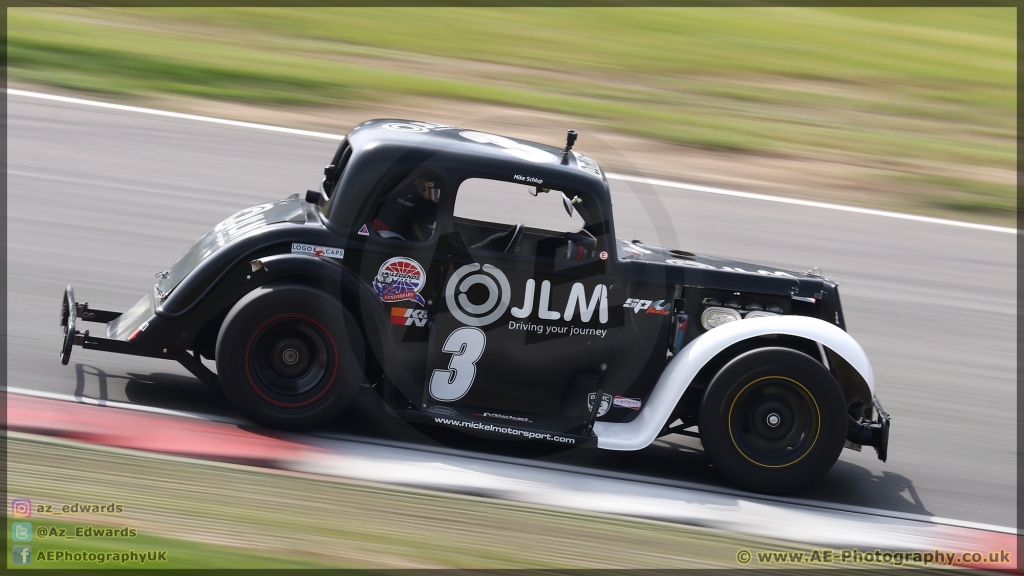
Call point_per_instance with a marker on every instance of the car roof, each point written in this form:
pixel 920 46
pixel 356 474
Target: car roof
pixel 414 133
pixel 384 147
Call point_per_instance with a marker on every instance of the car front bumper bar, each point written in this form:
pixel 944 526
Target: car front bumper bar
pixel 868 432
pixel 71 312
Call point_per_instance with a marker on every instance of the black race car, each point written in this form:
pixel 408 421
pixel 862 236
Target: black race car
pixel 475 282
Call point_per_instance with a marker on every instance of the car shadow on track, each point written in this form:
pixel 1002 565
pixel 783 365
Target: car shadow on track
pixel 854 485
pixel 158 390
pixel 672 459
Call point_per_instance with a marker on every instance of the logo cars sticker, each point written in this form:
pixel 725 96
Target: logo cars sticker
pixel 325 251
pixel 363 231
pixel 400 279
pixel 606 403
pixel 408 317
pixel 631 403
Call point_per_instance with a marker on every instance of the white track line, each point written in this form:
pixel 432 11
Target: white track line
pixel 136 109
pixel 543 465
pixel 623 177
pixel 124 406
pixel 810 203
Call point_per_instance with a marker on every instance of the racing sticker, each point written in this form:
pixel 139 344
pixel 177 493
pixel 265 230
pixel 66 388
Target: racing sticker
pixel 631 403
pixel 658 307
pixel 504 417
pixel 234 226
pixel 695 264
pixel 408 317
pixel 586 163
pixel 325 251
pixel 499 294
pixel 509 146
pixel 415 126
pixel 606 403
pixel 400 279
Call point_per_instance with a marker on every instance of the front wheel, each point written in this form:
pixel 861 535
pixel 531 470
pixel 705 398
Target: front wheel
pixel 773 420
pixel 289 357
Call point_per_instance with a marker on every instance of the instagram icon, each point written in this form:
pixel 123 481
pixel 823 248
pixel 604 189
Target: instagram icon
pixel 21 508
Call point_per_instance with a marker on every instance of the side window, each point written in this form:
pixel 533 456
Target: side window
pixel 334 170
pixel 333 173
pixel 498 216
pixel 409 209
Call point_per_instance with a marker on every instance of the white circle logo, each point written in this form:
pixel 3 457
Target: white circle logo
pixel 402 127
pixel 509 146
pixel 691 263
pixel 499 294
pixel 245 216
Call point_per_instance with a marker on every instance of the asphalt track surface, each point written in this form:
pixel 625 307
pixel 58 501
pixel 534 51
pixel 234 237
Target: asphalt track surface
pixel 105 198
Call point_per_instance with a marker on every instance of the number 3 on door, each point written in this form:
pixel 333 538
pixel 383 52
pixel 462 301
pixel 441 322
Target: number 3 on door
pixel 466 345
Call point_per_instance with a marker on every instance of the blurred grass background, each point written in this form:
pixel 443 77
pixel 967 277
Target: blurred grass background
pixel 926 97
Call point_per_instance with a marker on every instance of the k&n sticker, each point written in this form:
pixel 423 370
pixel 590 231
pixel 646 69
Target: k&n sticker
pixel 325 251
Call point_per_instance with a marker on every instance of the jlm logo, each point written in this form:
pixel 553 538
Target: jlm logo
pixel 499 298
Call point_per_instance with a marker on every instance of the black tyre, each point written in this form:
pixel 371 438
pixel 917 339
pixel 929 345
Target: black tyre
pixel 773 420
pixel 290 357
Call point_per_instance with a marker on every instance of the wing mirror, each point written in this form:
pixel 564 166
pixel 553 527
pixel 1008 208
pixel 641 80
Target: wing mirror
pixel 570 203
pixel 539 190
pixel 314 196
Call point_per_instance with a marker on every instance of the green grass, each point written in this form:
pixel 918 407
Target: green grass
pixel 968 195
pixel 178 553
pixel 913 91
pixel 208 514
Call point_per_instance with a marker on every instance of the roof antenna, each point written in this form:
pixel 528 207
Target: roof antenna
pixel 570 139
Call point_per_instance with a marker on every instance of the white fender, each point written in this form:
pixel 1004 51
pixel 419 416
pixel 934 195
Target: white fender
pixel 687 363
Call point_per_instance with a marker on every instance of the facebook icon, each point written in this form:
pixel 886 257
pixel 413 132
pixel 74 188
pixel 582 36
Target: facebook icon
pixel 21 554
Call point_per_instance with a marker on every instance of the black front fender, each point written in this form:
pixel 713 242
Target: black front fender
pixel 218 267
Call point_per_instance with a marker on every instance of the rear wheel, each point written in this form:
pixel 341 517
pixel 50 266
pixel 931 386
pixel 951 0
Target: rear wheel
pixel 773 420
pixel 289 357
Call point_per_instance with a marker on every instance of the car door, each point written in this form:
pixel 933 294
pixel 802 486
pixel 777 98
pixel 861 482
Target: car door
pixel 521 323
pixel 397 260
